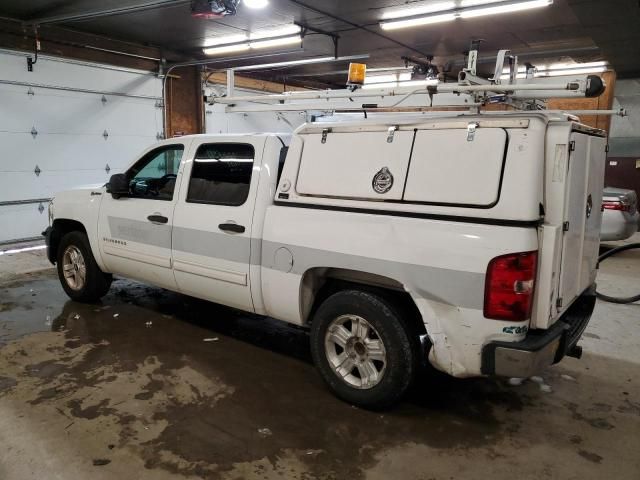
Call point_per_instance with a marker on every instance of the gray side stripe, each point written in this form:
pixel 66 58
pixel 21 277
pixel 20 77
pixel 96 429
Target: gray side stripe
pixel 452 287
pixel 212 244
pixel 189 240
pixel 141 232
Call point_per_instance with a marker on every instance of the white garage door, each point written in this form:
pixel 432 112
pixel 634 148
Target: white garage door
pixel 64 125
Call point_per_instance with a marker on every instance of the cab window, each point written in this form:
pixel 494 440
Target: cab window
pixel 221 174
pixel 154 175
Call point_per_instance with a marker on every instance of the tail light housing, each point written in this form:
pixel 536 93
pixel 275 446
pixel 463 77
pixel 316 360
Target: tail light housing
pixel 614 205
pixel 509 286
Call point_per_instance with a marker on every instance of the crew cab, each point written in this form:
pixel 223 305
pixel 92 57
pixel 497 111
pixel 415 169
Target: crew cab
pixel 468 240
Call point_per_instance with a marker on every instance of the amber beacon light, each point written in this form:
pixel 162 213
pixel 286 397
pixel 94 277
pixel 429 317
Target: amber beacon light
pixel 357 73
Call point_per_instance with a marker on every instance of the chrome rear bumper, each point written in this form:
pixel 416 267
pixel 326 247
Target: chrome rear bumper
pixel 541 348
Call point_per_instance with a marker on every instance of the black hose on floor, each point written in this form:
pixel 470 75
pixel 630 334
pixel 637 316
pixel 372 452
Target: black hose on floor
pixel 608 254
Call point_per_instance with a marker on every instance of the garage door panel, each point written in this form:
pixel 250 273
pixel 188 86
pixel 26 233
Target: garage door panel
pixel 79 113
pixel 81 75
pixel 25 186
pixel 63 100
pixel 69 153
pixel 22 221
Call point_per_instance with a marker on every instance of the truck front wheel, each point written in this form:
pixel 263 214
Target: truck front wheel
pixel 79 274
pixel 363 348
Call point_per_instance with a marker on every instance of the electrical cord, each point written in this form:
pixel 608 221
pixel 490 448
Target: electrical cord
pixel 610 253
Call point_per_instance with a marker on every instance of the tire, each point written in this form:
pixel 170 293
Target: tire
pixel 395 366
pixel 74 252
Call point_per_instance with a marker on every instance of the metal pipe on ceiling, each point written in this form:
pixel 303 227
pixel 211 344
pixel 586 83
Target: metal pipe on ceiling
pixel 358 26
pixel 125 54
pixel 102 66
pixel 75 17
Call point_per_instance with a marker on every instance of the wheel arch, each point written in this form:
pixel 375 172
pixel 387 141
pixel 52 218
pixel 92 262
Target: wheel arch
pixel 60 227
pixel 319 283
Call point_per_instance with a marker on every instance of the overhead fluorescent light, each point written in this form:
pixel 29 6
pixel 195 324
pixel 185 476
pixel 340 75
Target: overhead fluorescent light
pixel 370 86
pixel 239 47
pixel 572 71
pixel 392 77
pixel 506 8
pixel 238 42
pixel 561 69
pixel 275 32
pixel 414 22
pixel 305 61
pixel 276 42
pixel 566 66
pixel 475 3
pixel 239 38
pixel 410 12
pixel 401 83
pixel 255 3
pixel 469 9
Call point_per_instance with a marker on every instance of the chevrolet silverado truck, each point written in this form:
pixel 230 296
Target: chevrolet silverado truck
pixel 468 240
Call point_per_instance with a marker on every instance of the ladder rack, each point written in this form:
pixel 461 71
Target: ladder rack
pixel 470 92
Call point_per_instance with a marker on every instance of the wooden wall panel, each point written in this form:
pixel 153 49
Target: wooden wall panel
pixel 184 102
pixel 257 85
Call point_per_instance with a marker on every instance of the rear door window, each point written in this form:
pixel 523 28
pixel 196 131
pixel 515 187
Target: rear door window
pixel 221 174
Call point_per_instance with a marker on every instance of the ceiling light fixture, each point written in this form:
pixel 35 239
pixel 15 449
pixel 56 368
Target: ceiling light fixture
pixel 275 32
pixel 561 69
pixel 304 61
pixel 409 12
pixel 259 39
pixel 571 71
pixel 414 22
pixel 212 42
pixel 469 9
pixel 255 3
pixel 507 7
pixel 276 42
pixel 239 47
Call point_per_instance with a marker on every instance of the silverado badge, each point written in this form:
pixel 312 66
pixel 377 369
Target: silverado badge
pixel 382 181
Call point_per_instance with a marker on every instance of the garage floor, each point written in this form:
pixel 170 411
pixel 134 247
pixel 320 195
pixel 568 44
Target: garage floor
pixel 151 384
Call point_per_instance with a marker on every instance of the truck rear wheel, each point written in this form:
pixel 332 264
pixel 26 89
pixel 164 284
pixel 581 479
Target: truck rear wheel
pixel 363 348
pixel 79 274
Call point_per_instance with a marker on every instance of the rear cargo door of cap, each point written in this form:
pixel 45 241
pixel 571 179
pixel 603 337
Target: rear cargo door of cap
pixel 582 216
pixel 362 165
pixel 457 167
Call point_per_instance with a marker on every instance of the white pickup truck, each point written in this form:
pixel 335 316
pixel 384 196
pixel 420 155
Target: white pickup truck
pixel 470 240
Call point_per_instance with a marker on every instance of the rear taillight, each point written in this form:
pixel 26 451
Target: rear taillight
pixel 623 207
pixel 509 285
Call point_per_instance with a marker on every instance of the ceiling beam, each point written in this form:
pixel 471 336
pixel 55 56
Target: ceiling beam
pixel 76 17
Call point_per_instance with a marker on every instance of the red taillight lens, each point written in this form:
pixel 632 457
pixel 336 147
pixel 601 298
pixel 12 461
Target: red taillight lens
pixel 623 207
pixel 508 293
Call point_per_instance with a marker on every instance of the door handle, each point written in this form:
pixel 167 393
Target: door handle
pixel 157 219
pixel 231 227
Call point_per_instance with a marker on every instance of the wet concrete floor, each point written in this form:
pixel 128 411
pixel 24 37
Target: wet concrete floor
pixel 153 384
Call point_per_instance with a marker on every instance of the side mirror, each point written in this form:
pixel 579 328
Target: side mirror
pixel 118 185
